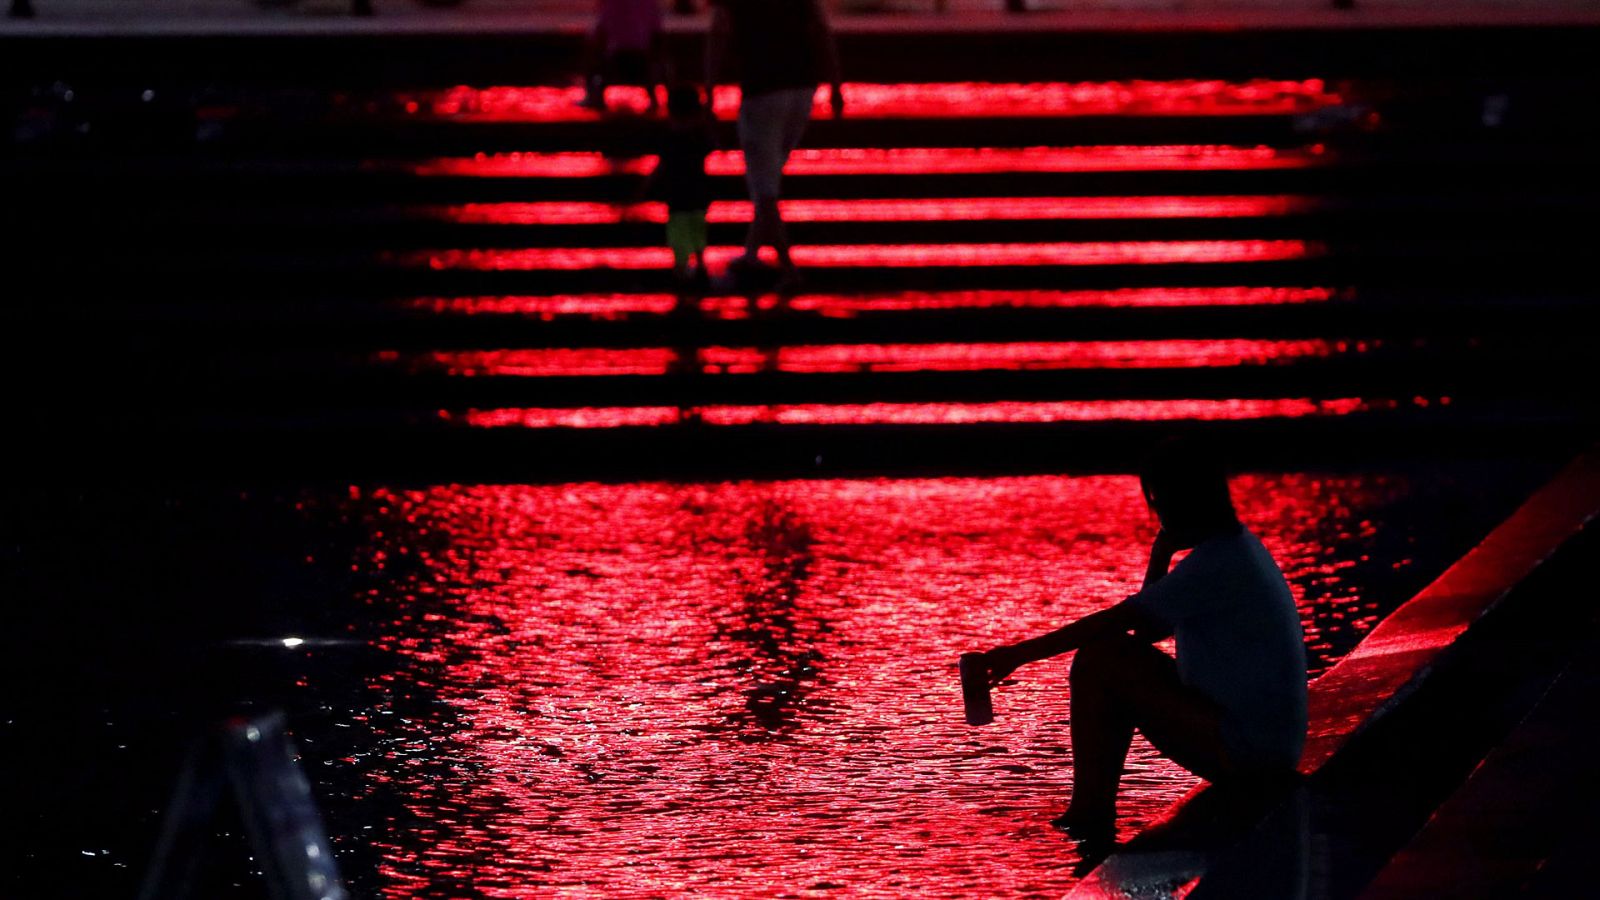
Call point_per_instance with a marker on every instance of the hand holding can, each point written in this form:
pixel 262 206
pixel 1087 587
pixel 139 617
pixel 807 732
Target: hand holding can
pixel 975 689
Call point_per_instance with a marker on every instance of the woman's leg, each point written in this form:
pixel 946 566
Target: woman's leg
pixel 1122 684
pixel 763 163
pixel 770 126
pixel 796 115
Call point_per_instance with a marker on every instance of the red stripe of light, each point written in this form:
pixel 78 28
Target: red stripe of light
pixel 593 306
pixel 894 161
pixel 955 209
pixel 931 413
pixel 619 306
pixel 851 358
pixel 1022 356
pixel 849 305
pixel 957 100
pixel 1093 253
pixel 551 362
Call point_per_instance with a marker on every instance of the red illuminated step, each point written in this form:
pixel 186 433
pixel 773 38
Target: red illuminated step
pixel 893 161
pixel 949 209
pixel 953 100
pixel 868 358
pixel 1109 253
pixel 949 414
pixel 847 306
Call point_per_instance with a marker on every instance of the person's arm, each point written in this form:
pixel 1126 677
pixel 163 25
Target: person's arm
pixel 717 47
pixel 1123 618
pixel 826 49
pixel 1161 553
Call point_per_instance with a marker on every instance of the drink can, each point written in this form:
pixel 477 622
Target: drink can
pixel 975 689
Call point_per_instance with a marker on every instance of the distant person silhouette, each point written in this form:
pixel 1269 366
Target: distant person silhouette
pixel 784 49
pixel 680 179
pixel 625 47
pixel 1232 706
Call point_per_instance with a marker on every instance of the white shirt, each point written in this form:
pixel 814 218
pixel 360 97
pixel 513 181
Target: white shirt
pixel 1239 643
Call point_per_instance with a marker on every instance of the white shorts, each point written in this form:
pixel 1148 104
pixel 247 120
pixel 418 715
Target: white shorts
pixel 770 127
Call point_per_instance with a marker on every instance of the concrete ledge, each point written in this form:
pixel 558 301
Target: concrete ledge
pixel 1383 670
pixel 535 48
pixel 95 18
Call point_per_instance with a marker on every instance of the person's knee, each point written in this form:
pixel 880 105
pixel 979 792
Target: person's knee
pixel 1102 659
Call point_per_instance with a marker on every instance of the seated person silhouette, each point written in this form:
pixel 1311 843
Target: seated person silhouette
pixel 1232 706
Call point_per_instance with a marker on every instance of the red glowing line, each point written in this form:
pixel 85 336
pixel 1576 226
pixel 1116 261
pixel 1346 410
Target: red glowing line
pixel 550 363
pixel 1012 412
pixel 620 306
pixel 583 417
pixel 925 100
pixel 850 358
pixel 956 209
pixel 1094 253
pixel 594 306
pixel 1024 356
pixel 895 161
pixel 849 305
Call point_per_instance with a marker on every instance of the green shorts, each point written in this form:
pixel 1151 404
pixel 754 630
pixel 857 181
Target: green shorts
pixel 686 235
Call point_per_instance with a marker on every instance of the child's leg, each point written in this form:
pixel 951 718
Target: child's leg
pixel 696 226
pixel 680 238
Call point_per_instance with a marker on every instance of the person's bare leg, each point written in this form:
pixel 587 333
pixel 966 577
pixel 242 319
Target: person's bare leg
pixel 1101 734
pixel 766 230
pixel 1119 685
pixel 756 235
pixel 780 235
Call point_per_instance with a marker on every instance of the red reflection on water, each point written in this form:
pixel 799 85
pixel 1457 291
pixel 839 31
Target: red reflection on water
pixel 1017 412
pixel 1089 253
pixel 920 100
pixel 730 690
pixel 951 209
pixel 895 161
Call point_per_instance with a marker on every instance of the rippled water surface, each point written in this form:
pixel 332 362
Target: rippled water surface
pixel 734 690
pixel 748 689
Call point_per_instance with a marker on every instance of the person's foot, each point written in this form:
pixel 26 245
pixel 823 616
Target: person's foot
pixel 1088 827
pixel 790 281
pixel 750 274
pixel 747 263
pixel 594 96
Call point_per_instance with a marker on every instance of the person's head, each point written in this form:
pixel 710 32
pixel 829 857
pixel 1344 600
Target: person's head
pixel 1188 491
pixel 684 102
